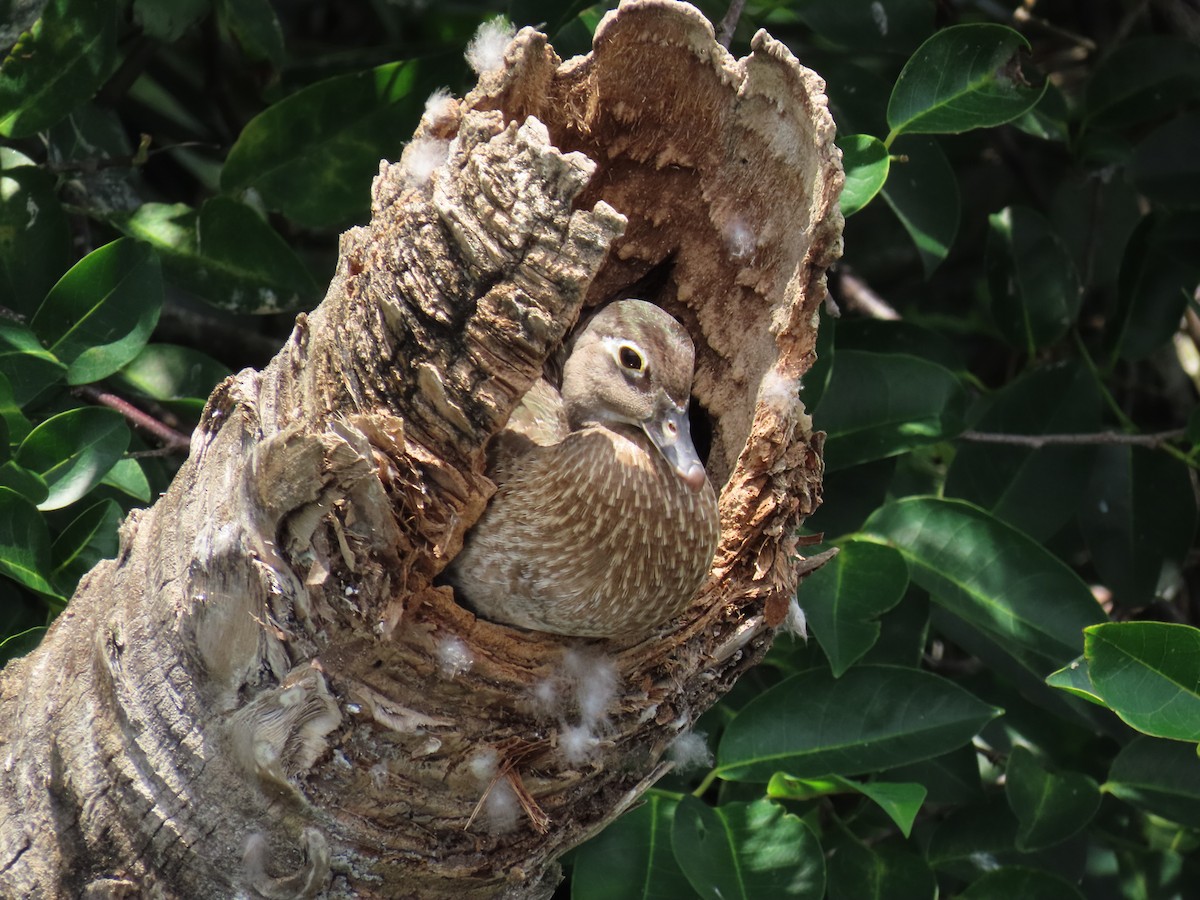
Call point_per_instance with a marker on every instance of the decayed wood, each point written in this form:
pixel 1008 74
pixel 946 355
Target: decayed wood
pixel 267 693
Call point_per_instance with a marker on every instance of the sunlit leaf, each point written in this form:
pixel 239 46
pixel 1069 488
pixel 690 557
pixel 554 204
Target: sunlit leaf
pixel 844 599
pixel 866 162
pixel 747 851
pixel 873 717
pixel 1147 673
pixel 963 77
pixel 73 451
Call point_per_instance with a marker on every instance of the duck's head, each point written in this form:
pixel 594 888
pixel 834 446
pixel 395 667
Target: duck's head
pixel 632 365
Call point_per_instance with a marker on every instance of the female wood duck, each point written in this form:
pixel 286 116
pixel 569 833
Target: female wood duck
pixel 603 523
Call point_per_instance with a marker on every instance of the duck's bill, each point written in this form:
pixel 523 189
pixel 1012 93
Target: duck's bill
pixel 671 433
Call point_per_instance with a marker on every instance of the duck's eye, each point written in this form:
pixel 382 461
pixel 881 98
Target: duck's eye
pixel 631 359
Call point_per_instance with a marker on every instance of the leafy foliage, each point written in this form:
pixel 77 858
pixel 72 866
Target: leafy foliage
pixel 1002 691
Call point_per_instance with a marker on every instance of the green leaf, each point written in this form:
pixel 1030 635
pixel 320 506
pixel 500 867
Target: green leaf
pixel 312 155
pixel 29 485
pixel 1141 79
pixel 1028 884
pixel 128 477
pixel 901 802
pixel 167 20
pixel 1049 119
pixel 844 598
pixel 1034 289
pixel 1165 165
pixel 1049 807
pixel 1148 673
pixel 879 872
pixel 34 241
pixel 24 543
pixel 962 77
pixel 1074 679
pixel 61 62
pixel 866 162
pixel 100 315
pixel 747 851
pixel 89 538
pixel 255 27
pixel 871 718
pixel 887 25
pixel 1138 518
pixel 1158 276
pixel 922 190
pixel 1035 490
pixel 179 376
pixel 13 423
pixel 883 404
pixel 29 368
pixel 1161 777
pixel 227 255
pixel 73 451
pixel 992 577
pixel 641 841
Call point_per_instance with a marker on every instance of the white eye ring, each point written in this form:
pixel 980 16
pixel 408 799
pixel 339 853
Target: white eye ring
pixel 630 357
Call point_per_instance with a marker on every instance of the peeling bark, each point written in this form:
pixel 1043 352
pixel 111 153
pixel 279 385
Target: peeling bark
pixel 267 693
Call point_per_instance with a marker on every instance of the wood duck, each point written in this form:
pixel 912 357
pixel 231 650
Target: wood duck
pixel 604 523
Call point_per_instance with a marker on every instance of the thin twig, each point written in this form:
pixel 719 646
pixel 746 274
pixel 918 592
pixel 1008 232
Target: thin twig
pixel 730 22
pixel 859 297
pixel 1036 441
pixel 169 436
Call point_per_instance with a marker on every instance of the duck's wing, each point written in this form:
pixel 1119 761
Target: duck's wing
pixel 538 421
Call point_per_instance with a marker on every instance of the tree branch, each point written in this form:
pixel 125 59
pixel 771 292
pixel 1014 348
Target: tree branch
pixel 1037 441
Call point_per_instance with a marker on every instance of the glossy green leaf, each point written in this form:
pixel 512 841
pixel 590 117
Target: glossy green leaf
pixel 884 404
pixel 128 477
pixel 24 543
pixel 963 77
pixel 632 858
pixel 89 538
pixel 844 599
pixel 227 254
pixel 1148 674
pixel 866 162
pixel 1034 289
pixel 174 375
pixel 100 315
pixel 29 367
pixel 301 153
pixel 1050 117
pixel 922 190
pixel 879 872
pixel 1036 490
pixel 992 577
pixel 29 485
pixel 1138 518
pixel 951 779
pixel 871 718
pixel 1158 275
pixel 1161 777
pixel 901 801
pixel 255 27
pixel 1140 79
pixel 73 451
pixel 886 25
pixel 167 20
pixel 1166 164
pixel 746 851
pixel 1074 679
pixel 1028 884
pixel 61 62
pixel 973 838
pixel 1050 807
pixel 34 242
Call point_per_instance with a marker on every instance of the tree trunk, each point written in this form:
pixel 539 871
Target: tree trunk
pixel 267 693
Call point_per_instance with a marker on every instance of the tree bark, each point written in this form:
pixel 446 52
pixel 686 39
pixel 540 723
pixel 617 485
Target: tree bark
pixel 267 693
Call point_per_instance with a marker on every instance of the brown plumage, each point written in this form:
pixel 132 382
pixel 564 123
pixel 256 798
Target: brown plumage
pixel 604 523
